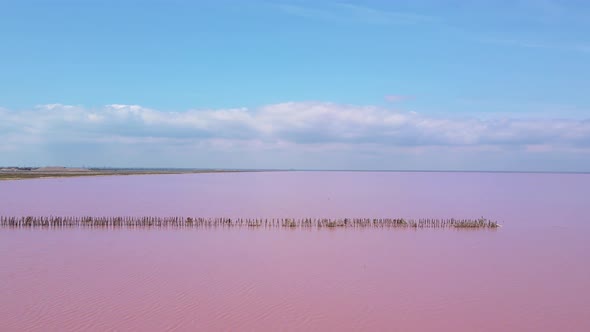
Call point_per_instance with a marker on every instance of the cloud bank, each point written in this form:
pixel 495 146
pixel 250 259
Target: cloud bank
pixel 296 127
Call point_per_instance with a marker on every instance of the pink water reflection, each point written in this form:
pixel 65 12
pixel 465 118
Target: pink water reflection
pixel 513 198
pixel 531 275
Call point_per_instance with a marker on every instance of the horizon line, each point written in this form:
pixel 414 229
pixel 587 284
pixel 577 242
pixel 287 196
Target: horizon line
pixel 312 169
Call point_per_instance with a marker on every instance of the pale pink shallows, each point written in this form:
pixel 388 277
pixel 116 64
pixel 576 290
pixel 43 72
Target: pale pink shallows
pixel 531 275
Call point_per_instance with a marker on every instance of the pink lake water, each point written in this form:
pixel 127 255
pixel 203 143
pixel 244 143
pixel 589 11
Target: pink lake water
pixel 533 274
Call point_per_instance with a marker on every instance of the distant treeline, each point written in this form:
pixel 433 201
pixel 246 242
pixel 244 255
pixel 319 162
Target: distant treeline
pixel 88 221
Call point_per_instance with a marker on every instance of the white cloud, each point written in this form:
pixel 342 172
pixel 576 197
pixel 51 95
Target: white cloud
pixel 293 122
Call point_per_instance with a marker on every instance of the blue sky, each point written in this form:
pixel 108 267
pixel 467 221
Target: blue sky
pixel 494 85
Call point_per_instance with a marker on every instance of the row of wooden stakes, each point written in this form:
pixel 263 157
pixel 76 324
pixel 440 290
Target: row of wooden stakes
pixel 88 221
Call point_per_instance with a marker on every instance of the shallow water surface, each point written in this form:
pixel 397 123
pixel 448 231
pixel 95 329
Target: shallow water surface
pixel 530 275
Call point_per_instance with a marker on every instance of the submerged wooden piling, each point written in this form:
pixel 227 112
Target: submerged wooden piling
pixel 193 222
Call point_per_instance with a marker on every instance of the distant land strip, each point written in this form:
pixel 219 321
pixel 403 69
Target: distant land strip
pixel 21 173
pixel 87 221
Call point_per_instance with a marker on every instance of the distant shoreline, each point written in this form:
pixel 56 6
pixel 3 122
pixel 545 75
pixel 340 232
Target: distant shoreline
pixel 25 173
